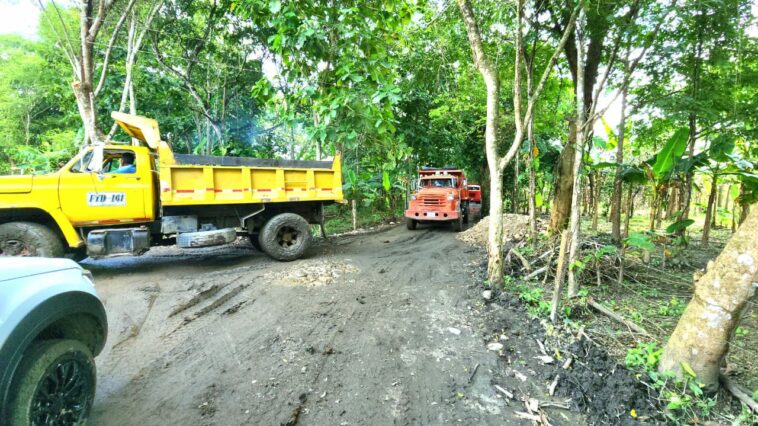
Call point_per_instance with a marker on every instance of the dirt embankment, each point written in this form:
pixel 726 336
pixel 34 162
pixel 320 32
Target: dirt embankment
pixel 515 228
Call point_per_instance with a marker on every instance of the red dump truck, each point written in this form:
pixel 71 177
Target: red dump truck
pixel 474 201
pixel 441 195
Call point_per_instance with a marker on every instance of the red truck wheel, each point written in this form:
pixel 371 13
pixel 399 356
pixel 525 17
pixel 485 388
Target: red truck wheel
pixel 410 223
pixel 458 224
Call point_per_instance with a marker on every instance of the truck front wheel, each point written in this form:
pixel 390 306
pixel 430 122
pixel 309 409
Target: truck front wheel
pixel 458 224
pixel 410 223
pixel 285 236
pixel 55 384
pixel 29 239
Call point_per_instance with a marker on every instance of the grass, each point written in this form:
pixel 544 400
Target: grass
pixel 339 218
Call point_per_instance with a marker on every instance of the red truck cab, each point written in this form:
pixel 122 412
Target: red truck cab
pixel 474 193
pixel 441 195
pixel 475 201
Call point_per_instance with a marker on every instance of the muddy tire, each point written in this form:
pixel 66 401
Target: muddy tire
pixel 285 237
pixel 29 239
pixel 54 384
pixel 466 214
pixel 410 223
pixel 458 224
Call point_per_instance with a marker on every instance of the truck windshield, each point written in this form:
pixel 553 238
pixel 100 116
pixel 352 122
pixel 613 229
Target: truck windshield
pixel 437 183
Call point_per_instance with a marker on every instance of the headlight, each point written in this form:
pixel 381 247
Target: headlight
pixel 413 198
pixel 88 274
pixel 451 197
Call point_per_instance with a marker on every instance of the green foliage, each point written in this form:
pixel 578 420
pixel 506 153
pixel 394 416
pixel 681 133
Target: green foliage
pixel 533 296
pixel 640 241
pixel 679 225
pixel 670 153
pixel 674 308
pixel 645 356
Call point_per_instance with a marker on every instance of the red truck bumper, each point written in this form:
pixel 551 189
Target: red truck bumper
pixel 431 214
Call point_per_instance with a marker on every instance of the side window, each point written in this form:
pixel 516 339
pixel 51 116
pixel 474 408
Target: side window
pixel 82 166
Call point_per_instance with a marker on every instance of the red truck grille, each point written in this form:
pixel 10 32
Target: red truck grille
pixel 431 200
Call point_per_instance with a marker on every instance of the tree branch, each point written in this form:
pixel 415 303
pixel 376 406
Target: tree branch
pixel 109 47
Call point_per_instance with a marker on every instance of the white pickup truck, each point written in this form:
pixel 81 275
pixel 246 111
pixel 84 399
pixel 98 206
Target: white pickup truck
pixel 52 325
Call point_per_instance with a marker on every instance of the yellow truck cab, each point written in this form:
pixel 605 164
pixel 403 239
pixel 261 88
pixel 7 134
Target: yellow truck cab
pixel 124 198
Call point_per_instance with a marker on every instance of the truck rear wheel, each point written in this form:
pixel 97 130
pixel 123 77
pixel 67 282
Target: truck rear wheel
pixel 29 239
pixel 410 223
pixel 285 236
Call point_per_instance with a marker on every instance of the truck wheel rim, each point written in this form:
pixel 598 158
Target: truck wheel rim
pixel 287 236
pixel 14 248
pixel 63 395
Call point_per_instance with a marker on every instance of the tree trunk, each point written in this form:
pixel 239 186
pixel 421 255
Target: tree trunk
pixel 629 210
pixel 532 178
pixel 576 219
pixel 709 212
pixel 561 203
pixel 596 200
pixel 701 338
pixel 617 182
pixel 514 201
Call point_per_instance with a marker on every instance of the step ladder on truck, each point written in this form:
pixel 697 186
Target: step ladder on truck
pixel 90 207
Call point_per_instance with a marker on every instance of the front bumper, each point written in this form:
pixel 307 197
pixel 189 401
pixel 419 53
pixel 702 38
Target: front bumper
pixel 432 214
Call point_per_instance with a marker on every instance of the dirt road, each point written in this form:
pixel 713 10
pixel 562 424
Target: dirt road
pixel 382 328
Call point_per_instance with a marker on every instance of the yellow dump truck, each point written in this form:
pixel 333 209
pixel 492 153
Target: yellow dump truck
pixel 125 198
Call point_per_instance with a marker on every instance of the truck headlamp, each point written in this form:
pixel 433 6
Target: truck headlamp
pixel 451 197
pixel 413 198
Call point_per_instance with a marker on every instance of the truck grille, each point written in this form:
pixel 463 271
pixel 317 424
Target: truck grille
pixel 431 200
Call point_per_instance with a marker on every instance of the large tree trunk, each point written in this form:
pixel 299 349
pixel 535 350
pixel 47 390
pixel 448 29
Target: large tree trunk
pixel 575 224
pixel 492 82
pixel 701 338
pixel 561 203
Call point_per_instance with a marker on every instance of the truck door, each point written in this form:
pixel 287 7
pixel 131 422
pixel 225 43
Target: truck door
pixel 106 197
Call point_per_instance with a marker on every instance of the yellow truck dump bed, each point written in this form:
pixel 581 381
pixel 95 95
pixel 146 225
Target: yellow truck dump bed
pixel 196 179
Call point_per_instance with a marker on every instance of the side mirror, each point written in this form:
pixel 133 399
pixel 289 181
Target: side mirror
pixel 96 163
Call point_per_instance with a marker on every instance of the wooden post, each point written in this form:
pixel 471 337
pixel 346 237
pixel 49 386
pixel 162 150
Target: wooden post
pixel 355 215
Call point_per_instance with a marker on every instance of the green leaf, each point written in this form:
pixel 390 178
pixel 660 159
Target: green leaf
pixel 671 152
pixel 688 369
pixel 639 240
pixel 275 6
pixel 679 225
pixel 721 147
pixel 538 199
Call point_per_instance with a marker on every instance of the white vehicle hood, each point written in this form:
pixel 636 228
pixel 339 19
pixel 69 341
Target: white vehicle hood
pixel 12 268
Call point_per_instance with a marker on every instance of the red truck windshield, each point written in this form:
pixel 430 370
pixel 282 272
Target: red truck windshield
pixel 437 183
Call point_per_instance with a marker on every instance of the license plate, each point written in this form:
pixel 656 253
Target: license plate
pixel 431 214
pixel 102 199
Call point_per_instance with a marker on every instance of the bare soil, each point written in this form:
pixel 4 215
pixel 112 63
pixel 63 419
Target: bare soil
pixel 388 327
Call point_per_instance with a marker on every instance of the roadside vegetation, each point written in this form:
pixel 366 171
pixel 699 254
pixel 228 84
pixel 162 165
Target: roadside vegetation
pixel 624 131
